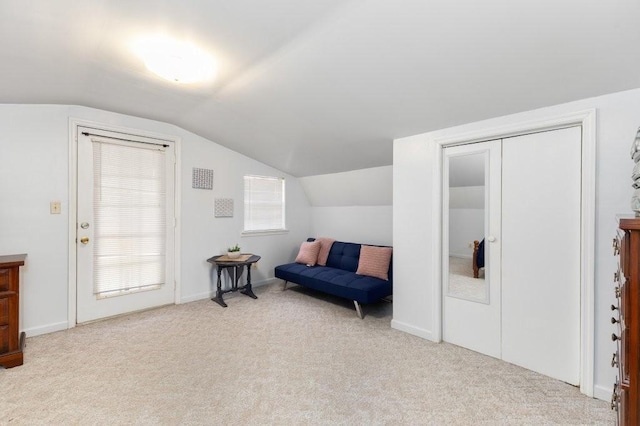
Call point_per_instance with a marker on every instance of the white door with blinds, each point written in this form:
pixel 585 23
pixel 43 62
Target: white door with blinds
pixel 125 228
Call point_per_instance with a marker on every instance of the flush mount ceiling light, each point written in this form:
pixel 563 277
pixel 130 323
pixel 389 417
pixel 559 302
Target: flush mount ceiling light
pixel 174 60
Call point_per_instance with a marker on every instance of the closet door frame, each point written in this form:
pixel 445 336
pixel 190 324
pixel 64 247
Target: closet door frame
pixel 587 120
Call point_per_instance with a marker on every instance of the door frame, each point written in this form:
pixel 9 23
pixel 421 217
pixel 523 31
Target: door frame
pixel 586 119
pixel 74 124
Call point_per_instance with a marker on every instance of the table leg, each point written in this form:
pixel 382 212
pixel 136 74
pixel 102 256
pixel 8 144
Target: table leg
pixel 237 273
pixel 218 299
pixel 247 289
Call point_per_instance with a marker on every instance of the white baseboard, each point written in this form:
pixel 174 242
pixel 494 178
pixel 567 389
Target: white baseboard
pixel 49 328
pixel 411 329
pixel 602 392
pixel 210 294
pixel 195 297
pixel 265 282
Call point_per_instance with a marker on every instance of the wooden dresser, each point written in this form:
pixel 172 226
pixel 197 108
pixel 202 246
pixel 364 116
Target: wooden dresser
pixel 626 311
pixel 11 340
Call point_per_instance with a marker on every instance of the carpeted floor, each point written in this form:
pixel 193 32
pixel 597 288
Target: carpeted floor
pixel 288 358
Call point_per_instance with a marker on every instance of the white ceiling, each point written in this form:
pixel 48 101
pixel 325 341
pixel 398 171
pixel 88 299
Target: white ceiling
pixel 313 87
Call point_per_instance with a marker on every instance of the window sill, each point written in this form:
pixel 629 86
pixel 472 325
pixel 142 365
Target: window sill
pixel 265 232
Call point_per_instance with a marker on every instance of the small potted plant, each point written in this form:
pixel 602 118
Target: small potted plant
pixel 233 252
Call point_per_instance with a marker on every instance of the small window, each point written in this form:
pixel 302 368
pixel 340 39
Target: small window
pixel 264 204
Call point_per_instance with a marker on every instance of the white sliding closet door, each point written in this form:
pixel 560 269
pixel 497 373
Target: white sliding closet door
pixel 541 178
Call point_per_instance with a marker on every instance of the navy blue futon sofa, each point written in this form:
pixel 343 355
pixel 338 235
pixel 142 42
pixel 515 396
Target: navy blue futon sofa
pixel 339 277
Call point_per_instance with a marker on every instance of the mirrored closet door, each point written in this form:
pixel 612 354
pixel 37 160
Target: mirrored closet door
pixel 471 246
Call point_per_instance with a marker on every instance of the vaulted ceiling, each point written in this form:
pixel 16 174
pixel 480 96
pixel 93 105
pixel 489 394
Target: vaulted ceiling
pixel 313 87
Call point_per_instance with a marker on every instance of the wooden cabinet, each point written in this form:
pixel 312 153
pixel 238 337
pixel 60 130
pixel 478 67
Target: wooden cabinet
pixel 11 340
pixel 626 392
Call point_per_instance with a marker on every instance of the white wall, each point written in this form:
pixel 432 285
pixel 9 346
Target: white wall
pixel 356 224
pixel 35 167
pixel 352 206
pixel 203 235
pixel 414 160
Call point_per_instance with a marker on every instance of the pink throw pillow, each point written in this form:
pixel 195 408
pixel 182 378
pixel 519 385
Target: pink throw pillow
pixel 374 262
pixel 325 246
pixel 308 253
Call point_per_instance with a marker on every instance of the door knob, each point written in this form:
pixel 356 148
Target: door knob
pixel 491 239
pixel 84 240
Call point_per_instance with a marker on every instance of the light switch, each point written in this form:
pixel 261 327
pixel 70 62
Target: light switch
pixel 56 207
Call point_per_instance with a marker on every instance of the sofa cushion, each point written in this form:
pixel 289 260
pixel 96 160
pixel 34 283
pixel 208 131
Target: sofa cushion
pixel 374 262
pixel 344 256
pixel 308 253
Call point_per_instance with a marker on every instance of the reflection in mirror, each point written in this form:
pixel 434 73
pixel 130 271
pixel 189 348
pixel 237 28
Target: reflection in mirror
pixel 467 218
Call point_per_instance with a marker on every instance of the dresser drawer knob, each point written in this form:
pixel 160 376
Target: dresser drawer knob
pixel 613 320
pixel 613 307
pixel 614 363
pixel 614 337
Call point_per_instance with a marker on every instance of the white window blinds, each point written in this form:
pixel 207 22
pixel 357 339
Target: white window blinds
pixel 129 197
pixel 264 203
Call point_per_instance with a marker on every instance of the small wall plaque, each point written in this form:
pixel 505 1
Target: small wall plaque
pixel 224 207
pixel 202 178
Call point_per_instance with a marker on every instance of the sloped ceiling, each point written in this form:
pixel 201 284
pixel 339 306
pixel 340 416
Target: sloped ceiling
pixel 314 87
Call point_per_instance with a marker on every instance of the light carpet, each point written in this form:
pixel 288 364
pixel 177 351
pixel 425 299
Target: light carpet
pixel 288 358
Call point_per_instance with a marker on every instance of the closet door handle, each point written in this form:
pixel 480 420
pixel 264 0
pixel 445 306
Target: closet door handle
pixel 491 239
